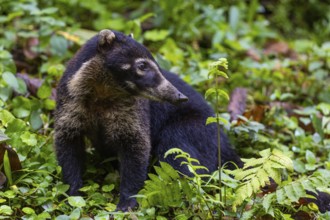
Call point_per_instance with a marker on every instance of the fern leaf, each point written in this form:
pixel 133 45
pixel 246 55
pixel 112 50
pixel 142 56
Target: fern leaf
pixel 290 193
pixel 200 168
pixel 192 160
pixel 308 185
pixel 241 174
pixel 169 170
pixel 273 173
pixel 317 181
pixel 173 151
pixel 255 184
pixel 267 201
pixel 253 162
pixel 153 177
pixel 162 174
pixel 265 153
pixel 243 192
pixel 270 165
pixel 299 189
pixel 282 159
pixel 262 177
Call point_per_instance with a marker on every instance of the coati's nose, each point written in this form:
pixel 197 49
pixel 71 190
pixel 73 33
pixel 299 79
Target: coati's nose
pixel 181 98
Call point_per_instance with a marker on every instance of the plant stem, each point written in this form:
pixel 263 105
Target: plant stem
pixel 218 143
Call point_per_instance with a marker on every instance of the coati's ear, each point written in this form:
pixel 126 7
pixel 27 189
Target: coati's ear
pixel 105 39
pixel 131 35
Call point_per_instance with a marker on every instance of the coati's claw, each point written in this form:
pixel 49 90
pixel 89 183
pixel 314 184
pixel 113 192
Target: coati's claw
pixel 106 37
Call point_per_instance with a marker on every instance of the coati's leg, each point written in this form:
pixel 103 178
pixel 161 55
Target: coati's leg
pixel 70 153
pixel 69 145
pixel 133 172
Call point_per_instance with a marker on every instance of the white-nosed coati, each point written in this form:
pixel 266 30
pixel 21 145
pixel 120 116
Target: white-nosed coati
pixel 114 93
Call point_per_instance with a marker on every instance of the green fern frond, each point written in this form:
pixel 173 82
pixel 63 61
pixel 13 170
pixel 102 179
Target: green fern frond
pixel 254 162
pixel 175 151
pixel 292 191
pixel 256 173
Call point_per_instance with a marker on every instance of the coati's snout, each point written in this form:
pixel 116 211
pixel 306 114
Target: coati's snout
pixel 165 92
pixel 150 83
pixel 135 70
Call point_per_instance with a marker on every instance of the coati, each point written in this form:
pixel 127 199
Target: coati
pixel 114 93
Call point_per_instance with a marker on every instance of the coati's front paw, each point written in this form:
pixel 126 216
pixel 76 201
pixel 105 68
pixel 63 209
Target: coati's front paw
pixel 106 37
pixel 126 205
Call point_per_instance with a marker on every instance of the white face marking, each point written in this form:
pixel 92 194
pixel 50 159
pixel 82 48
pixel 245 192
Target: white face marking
pixel 146 60
pixel 126 66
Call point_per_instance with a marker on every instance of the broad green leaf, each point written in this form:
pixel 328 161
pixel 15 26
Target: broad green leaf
pixel 62 188
pixel 5 93
pixel 310 157
pixel 35 120
pixel 5 210
pixel 16 125
pixel 49 104
pixel 10 194
pixel 56 70
pixel 10 79
pixel 58 46
pixel 62 217
pixel 28 210
pixel 44 91
pixel 108 188
pixel 29 138
pixel 44 215
pixel 75 214
pixel 324 108
pixel 22 89
pixel 22 106
pixel 6 117
pixel 76 201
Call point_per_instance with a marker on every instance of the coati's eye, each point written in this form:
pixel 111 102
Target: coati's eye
pixel 142 66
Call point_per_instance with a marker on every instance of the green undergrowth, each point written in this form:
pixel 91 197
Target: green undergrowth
pixel 284 132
